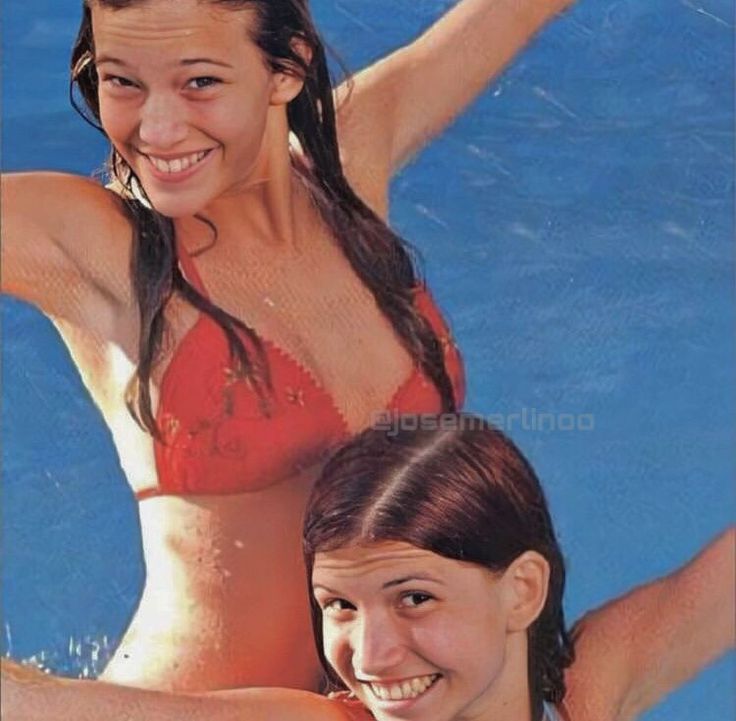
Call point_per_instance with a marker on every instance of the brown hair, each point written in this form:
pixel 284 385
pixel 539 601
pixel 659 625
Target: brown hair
pixel 459 488
pixel 379 257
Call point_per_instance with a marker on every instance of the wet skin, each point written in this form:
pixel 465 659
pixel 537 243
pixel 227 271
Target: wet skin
pixel 411 632
pixel 178 79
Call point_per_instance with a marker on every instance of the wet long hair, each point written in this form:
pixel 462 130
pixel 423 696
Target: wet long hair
pixel 457 487
pixel 378 256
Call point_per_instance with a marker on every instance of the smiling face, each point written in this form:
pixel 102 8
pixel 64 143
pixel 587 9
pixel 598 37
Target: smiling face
pixel 184 97
pixel 415 635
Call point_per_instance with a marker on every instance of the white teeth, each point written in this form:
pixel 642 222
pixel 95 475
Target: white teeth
pixel 178 165
pixel 405 690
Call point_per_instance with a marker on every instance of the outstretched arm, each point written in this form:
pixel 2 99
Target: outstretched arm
pixel 404 100
pixel 636 649
pixel 29 695
pixel 65 244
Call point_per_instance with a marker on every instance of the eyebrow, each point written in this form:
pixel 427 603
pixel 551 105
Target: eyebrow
pixel 414 577
pixel 185 61
pixel 389 584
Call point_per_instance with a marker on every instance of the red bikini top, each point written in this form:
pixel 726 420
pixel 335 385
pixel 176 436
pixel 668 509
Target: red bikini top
pixel 216 438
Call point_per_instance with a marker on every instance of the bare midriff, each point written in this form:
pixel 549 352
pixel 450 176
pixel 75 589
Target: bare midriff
pixel 225 600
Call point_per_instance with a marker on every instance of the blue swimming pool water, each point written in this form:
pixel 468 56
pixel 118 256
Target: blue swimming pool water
pixel 577 226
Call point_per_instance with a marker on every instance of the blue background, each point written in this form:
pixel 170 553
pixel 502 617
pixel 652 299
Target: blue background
pixel 577 227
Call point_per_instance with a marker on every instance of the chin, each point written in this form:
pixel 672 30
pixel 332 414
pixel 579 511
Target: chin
pixel 176 206
pixel 177 197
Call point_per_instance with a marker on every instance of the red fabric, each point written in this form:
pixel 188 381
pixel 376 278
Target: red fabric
pixel 217 439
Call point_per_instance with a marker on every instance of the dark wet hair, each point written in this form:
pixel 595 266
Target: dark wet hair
pixel 457 487
pixel 379 257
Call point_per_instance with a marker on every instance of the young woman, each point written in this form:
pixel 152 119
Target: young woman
pixel 437 586
pixel 239 271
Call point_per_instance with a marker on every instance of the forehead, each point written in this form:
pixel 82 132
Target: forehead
pixel 176 24
pixel 388 562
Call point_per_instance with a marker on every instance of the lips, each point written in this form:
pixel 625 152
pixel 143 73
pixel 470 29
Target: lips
pixel 178 168
pixel 177 165
pixel 405 690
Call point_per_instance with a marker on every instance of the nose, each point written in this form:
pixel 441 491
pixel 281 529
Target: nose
pixel 378 646
pixel 162 122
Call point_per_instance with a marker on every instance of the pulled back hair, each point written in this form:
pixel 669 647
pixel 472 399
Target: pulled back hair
pixel 378 256
pixel 456 487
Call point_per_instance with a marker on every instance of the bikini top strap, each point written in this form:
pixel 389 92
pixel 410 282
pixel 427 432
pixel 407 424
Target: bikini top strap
pixel 189 268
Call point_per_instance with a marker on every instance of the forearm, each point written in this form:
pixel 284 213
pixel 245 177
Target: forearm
pixel 495 26
pixel 455 60
pixel 538 12
pixel 28 695
pixel 637 648
pixel 691 622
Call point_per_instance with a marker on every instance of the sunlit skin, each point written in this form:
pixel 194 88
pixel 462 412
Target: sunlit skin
pixel 183 81
pixel 394 613
pixel 629 653
pixel 180 78
pixel 214 613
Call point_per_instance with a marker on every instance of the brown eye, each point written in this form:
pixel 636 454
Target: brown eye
pixel 204 82
pixel 415 599
pixel 336 605
pixel 118 81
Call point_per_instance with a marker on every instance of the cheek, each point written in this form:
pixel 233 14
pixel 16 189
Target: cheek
pixel 487 654
pixel 472 647
pixel 242 127
pixel 445 642
pixel 118 120
pixel 336 648
pixel 238 115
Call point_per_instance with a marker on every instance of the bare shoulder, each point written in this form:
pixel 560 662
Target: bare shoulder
pixel 65 226
pixel 598 680
pixel 586 698
pixel 637 648
pixel 65 204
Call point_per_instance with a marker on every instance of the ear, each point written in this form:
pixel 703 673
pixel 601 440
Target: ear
pixel 287 85
pixel 526 581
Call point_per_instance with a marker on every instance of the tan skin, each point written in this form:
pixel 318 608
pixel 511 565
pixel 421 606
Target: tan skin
pixel 393 611
pixel 213 614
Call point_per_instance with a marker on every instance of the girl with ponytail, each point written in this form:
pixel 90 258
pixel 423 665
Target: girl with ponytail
pixel 234 299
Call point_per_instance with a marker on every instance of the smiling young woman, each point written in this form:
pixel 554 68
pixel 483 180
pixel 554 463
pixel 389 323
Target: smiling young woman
pixel 436 586
pixel 437 576
pixel 416 635
pixel 234 300
pixel 189 125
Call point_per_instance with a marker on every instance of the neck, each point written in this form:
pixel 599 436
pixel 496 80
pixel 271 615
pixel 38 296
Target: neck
pixel 508 698
pixel 262 209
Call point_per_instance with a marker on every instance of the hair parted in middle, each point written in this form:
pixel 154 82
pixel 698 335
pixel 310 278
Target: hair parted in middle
pixel 457 487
